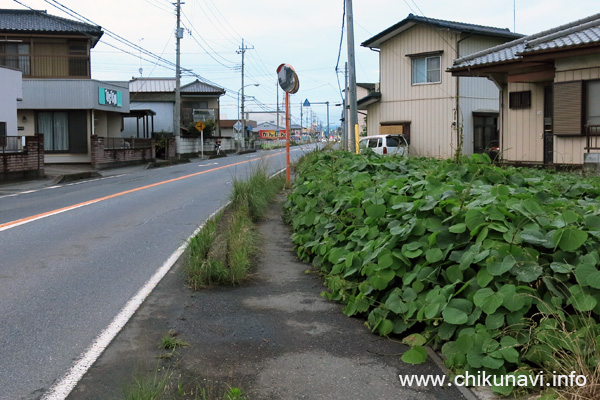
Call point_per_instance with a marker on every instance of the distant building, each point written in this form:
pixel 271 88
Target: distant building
pixel 158 94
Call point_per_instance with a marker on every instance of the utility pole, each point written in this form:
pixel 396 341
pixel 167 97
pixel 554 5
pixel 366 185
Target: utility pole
pixel 344 118
pixel 242 51
pixel 327 118
pixel 301 130
pixel 353 117
pixel 177 110
pixel 277 88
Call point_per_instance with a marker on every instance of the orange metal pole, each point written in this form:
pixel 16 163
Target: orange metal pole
pixel 287 136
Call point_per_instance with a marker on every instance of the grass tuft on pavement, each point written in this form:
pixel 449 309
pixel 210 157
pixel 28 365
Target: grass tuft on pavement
pixel 224 250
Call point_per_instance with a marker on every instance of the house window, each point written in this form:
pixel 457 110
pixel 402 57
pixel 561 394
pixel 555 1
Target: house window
pixel 78 61
pixel 55 127
pixel 426 70
pixel 16 56
pixel 592 90
pixel 520 100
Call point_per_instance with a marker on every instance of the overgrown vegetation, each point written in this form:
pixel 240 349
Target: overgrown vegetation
pixel 165 384
pixel 496 267
pixel 170 341
pixel 223 251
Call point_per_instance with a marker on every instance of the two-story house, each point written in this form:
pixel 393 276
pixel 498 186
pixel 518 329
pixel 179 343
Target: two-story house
pixel 437 112
pixel 60 99
pixel 549 93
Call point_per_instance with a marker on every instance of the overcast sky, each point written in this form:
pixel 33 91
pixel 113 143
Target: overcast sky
pixel 305 34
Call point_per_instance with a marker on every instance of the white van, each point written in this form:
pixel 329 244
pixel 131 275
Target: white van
pixel 385 144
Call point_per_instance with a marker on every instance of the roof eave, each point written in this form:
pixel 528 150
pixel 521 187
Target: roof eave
pixel 368 100
pixel 559 51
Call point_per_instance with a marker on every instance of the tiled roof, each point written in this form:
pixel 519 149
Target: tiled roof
pixel 579 33
pixel 35 21
pixel 412 19
pixel 167 85
pixel 201 87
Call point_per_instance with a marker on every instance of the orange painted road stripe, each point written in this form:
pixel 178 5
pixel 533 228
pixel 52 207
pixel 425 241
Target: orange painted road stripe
pixel 22 221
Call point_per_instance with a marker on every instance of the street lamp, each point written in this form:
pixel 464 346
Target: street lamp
pixel 241 116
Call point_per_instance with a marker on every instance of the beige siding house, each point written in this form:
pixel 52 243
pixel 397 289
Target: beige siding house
pixel 550 93
pixel 416 98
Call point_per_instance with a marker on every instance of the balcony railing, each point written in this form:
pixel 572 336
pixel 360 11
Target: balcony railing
pixel 53 66
pixel 127 143
pixel 592 133
pixel 11 144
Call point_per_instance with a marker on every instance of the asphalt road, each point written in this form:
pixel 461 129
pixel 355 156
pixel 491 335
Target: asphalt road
pixel 73 255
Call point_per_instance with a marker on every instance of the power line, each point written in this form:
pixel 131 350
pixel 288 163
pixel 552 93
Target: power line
pixel 207 44
pixel 111 34
pixel 232 39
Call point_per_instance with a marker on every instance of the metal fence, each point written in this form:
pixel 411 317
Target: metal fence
pixel 592 137
pixel 11 144
pixel 47 66
pixel 127 143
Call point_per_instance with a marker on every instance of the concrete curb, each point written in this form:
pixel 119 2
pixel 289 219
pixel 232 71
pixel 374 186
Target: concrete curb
pixel 467 393
pixel 74 177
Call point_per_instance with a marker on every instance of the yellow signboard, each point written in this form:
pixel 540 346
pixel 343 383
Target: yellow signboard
pixel 200 125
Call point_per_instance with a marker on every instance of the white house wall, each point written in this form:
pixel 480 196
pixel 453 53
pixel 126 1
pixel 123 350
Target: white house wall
pixel 476 94
pixel 12 89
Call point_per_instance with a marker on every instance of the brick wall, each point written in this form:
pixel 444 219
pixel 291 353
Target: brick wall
pixel 107 158
pixel 26 164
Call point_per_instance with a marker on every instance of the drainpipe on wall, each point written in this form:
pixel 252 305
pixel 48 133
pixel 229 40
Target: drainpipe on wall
pixel 500 111
pixel 458 93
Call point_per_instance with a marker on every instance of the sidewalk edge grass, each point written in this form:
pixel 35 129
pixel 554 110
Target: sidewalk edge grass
pixel 224 251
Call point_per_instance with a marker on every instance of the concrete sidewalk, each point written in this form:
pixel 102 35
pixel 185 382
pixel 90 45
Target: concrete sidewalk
pixel 274 337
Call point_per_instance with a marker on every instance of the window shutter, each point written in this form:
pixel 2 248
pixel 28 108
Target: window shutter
pixel 568 108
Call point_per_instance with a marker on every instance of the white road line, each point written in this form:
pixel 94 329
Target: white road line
pixel 42 216
pixel 59 186
pixel 61 389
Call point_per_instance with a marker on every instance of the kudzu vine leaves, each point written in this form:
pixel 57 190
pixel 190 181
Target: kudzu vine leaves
pixel 468 257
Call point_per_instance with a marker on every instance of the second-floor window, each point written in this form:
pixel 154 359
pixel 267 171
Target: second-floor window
pixel 15 55
pixel 426 69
